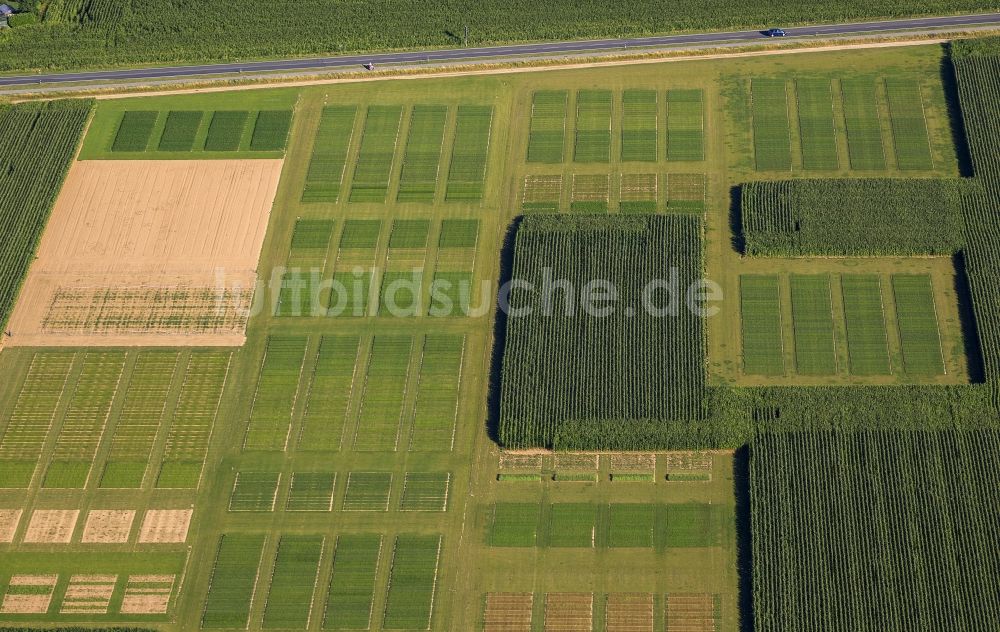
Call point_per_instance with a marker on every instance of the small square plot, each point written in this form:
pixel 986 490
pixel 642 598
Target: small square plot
pixel 311 491
pixel 28 594
pixel 368 491
pixel 254 491
pixel 426 491
pixel 108 526
pixel 514 525
pixel 572 525
pixel 147 594
pixel 631 525
pixel 692 525
pixel 88 594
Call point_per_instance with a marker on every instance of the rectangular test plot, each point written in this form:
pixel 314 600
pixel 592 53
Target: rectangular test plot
pixel 771 139
pixel 419 175
pixel 271 415
pixel 425 491
pixel 134 131
pixel 352 585
pixel 685 125
pixel 514 525
pixel 864 132
pixel 547 135
pixel 812 321
pixel 593 126
pixel 436 407
pixel 378 145
pixel 867 348
pixel 467 174
pixel 293 582
pixel 760 305
pixel 385 391
pixel 180 130
pixel 368 491
pixel 329 393
pixel 234 579
pixel 254 491
pixel 639 127
pixel 818 137
pixel 572 525
pixel 311 491
pixel 412 582
pixel 909 128
pixel 226 130
pixel 917 321
pixel 329 156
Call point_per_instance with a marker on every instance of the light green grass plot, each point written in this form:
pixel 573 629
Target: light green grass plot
pixel 760 306
pixel 639 127
pixel 412 582
pixel 384 394
pixel 812 322
pixel 329 394
pixel 864 132
pixel 378 144
pixel 422 156
pixel 917 322
pixel 467 173
pixel 909 128
pixel 771 138
pixel 325 176
pixel 685 125
pixel 271 414
pixel 234 578
pixel 514 525
pixel 593 126
pixel 816 127
pixel 293 582
pixel 863 314
pixel 352 585
pixel 547 133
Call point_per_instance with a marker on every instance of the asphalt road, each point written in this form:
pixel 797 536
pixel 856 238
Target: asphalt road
pixel 517 50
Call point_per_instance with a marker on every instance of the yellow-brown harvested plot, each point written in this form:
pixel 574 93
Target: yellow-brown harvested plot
pixel 88 594
pixel 9 519
pixel 148 252
pixel 29 594
pixel 147 594
pixel 697 612
pixel 165 526
pixel 569 612
pixel 508 612
pixel 629 612
pixel 108 526
pixel 51 526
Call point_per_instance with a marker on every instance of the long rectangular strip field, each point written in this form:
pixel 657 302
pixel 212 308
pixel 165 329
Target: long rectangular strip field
pixel 593 126
pixel 329 393
pixel 639 126
pixel 325 176
pixel 864 316
pixel 760 306
pixel 85 420
pixel 409 603
pixel 193 419
pixel 812 323
pixel 909 127
pixel 547 134
pixel 352 585
pixel 293 582
pixel 421 159
pixel 864 131
pixel 234 581
pixel 685 124
pixel 816 126
pixel 916 318
pixel 467 173
pixel 135 432
pixel 436 409
pixel 277 387
pixel 771 136
pixel 32 416
pixel 384 394
pixel 378 145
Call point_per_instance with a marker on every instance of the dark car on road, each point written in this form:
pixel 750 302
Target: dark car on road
pixel 774 33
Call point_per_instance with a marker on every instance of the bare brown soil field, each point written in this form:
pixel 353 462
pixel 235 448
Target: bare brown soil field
pixel 108 526
pixel 163 526
pixel 51 526
pixel 148 252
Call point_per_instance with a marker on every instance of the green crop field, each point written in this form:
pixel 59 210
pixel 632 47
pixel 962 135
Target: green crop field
pixel 670 345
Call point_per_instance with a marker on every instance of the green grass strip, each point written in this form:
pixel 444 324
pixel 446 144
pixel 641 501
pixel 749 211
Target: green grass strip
pixel 760 306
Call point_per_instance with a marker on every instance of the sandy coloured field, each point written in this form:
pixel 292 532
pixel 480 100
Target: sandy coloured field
pixel 148 252
pixel 51 526
pixel 108 526
pixel 165 526
pixel 9 519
